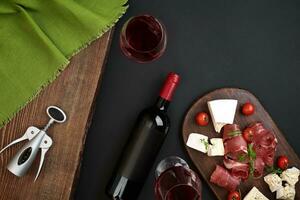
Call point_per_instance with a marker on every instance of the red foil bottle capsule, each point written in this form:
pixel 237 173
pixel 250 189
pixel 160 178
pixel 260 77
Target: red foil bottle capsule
pixel 169 86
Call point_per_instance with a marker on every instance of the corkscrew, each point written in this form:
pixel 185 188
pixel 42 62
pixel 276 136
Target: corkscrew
pixel 38 139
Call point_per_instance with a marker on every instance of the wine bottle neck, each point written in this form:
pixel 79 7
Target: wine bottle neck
pixel 162 104
pixel 169 86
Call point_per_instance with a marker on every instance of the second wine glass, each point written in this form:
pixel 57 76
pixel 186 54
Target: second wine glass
pixel 143 38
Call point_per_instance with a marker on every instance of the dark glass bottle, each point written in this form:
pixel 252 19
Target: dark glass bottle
pixel 143 145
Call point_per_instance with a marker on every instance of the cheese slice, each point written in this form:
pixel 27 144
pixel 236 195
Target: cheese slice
pixel 287 192
pixel 274 182
pixel 216 148
pixel 291 175
pixel 222 112
pixel 255 194
pixel 198 142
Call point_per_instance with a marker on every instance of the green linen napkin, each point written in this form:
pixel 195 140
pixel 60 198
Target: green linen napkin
pixel 37 39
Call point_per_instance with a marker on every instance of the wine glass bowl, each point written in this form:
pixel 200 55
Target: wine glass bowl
pixel 143 38
pixel 176 181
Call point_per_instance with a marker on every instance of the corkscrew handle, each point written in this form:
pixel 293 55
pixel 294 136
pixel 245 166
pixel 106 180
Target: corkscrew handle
pixel 24 158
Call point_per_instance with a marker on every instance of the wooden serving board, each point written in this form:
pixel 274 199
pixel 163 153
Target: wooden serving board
pixel 74 91
pixel 206 165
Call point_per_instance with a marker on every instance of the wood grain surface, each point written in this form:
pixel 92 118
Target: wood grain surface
pixel 74 91
pixel 206 165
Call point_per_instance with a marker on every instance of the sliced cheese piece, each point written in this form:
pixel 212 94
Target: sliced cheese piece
pixel 291 175
pixel 287 193
pixel 274 182
pixel 222 112
pixel 198 141
pixel 255 194
pixel 216 148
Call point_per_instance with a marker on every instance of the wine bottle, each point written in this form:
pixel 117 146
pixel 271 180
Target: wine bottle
pixel 143 145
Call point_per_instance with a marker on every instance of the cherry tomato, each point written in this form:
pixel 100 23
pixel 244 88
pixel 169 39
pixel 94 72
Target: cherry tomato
pixel 248 109
pixel 235 195
pixel 282 162
pixel 248 135
pixel 202 118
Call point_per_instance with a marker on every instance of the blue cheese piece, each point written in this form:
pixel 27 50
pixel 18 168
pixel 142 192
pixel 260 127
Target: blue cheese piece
pixel 274 182
pixel 216 148
pixel 222 112
pixel 255 194
pixel 198 142
pixel 291 175
pixel 286 193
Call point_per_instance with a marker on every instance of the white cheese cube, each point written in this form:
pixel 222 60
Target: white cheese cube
pixel 216 148
pixel 198 142
pixel 274 182
pixel 287 193
pixel 255 194
pixel 291 175
pixel 222 112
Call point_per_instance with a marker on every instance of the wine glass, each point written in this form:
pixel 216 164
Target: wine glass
pixel 143 38
pixel 176 181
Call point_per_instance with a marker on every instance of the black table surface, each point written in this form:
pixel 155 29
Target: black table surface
pixel 253 45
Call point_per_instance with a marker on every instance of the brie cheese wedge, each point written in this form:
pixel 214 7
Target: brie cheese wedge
pixel 255 194
pixel 287 193
pixel 198 142
pixel 222 112
pixel 274 182
pixel 291 175
pixel 216 148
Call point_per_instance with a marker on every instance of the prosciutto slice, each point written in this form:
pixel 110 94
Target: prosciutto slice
pixel 238 169
pixel 235 147
pixel 264 143
pixel 259 166
pixel 229 130
pixel 223 178
pixel 234 144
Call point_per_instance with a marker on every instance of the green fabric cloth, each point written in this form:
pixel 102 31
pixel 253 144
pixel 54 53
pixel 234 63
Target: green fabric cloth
pixel 37 39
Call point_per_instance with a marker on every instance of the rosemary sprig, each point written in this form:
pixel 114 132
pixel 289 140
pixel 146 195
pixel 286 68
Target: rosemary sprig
pixel 234 133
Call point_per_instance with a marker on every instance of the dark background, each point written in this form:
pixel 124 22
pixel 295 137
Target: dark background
pixel 253 45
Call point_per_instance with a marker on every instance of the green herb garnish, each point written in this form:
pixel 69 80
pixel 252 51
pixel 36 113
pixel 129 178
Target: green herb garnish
pixel 234 133
pixel 251 167
pixel 273 170
pixel 252 157
pixel 251 152
pixel 205 143
pixel 242 158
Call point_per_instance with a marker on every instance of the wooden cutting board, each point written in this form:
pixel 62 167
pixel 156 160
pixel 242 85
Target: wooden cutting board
pixel 75 92
pixel 206 165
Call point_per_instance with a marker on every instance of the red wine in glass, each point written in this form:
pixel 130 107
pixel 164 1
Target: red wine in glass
pixel 143 38
pixel 176 181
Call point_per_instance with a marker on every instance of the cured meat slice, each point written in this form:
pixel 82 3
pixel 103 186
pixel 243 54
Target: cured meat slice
pixel 223 178
pixel 257 128
pixel 264 143
pixel 265 147
pixel 259 166
pixel 230 130
pixel 238 169
pixel 269 158
pixel 236 147
pixel 266 139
